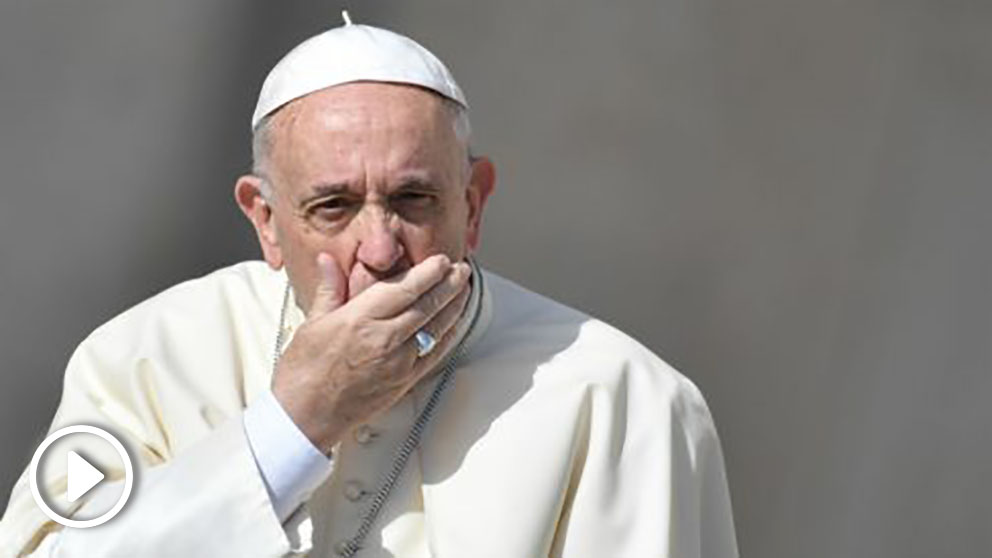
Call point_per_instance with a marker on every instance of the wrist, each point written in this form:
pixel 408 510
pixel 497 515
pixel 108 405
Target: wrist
pixel 324 435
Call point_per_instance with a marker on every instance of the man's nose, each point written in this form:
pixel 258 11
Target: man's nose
pixel 379 247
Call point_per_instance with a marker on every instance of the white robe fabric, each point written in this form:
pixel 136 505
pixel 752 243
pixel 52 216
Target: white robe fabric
pixel 560 436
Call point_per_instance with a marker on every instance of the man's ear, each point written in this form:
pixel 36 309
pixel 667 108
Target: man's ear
pixel 248 194
pixel 481 185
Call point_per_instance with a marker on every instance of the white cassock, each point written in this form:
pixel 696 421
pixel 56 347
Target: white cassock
pixel 559 436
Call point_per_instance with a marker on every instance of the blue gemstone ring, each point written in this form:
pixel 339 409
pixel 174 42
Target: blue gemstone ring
pixel 425 343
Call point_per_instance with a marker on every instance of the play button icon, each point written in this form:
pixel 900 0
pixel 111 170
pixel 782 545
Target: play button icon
pixel 82 476
pixel 82 473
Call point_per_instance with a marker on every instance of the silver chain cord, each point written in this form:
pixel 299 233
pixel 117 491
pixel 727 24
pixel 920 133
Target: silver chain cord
pixel 281 333
pixel 353 545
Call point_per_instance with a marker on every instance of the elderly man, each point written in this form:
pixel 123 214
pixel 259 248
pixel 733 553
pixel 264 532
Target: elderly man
pixel 369 390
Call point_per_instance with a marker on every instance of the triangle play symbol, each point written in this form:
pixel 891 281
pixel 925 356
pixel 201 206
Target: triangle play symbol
pixel 82 476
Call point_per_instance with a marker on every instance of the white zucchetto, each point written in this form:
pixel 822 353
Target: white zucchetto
pixel 353 53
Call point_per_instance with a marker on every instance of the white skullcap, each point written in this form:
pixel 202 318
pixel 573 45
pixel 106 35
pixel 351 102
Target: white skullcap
pixel 353 53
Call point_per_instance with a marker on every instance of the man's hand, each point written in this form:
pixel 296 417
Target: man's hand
pixel 349 362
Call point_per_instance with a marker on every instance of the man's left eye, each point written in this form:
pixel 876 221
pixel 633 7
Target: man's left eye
pixel 418 198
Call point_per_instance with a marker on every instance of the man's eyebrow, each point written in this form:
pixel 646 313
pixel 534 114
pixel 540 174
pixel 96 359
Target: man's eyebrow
pixel 417 183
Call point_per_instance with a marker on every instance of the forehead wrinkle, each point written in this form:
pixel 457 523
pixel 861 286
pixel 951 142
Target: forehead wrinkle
pixel 435 147
pixel 299 134
pixel 381 113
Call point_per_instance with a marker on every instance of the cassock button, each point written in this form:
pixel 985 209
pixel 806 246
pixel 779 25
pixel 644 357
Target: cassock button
pixel 353 491
pixel 364 434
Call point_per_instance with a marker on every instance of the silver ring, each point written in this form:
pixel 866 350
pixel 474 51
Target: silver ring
pixel 425 342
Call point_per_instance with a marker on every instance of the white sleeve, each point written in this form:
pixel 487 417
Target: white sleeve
pixel 291 466
pixel 208 501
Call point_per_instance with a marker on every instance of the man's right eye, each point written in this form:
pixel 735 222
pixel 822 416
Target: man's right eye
pixel 331 209
pixel 332 204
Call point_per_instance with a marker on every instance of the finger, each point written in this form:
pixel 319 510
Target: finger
pixel 439 327
pixel 387 298
pixel 330 291
pixel 449 316
pixel 437 309
pixel 443 327
pixel 428 362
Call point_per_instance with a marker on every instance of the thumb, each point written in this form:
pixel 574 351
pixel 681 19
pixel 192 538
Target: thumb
pixel 330 292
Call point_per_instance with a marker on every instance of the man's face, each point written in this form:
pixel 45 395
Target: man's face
pixel 372 174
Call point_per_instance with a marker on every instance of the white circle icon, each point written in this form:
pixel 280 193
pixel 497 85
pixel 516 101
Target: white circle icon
pixel 81 476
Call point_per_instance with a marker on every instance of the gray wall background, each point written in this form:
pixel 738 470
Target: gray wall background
pixel 787 199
